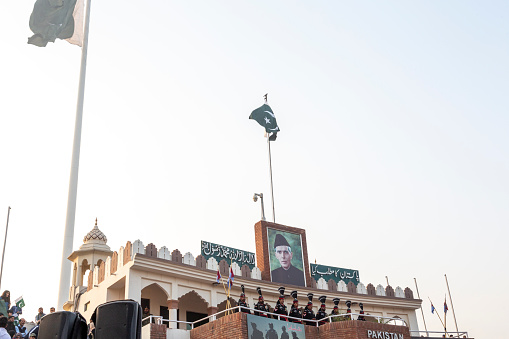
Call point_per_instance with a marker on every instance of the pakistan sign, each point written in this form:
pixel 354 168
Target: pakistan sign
pixel 220 252
pixel 335 273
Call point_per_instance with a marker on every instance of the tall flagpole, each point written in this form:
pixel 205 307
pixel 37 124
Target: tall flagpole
pixel 418 296
pixel 271 184
pixel 5 241
pixel 65 270
pixel 452 306
pixel 270 171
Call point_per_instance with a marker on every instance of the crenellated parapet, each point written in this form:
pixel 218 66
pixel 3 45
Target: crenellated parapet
pixel 127 253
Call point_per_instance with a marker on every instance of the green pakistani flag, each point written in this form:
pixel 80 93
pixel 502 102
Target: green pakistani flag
pixel 20 302
pixel 51 19
pixel 265 117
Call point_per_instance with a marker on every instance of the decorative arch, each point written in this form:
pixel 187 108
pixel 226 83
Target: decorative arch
pixel 149 285
pixel 194 293
pixel 85 267
pixel 192 307
pixel 155 297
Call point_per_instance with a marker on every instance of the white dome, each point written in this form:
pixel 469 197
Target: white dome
pixel 95 236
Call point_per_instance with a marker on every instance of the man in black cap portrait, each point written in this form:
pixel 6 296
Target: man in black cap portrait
pixel 287 273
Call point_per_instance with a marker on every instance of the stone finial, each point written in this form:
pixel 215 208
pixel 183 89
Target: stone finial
pixel 389 291
pixel 332 286
pixel 321 284
pixel 351 287
pixel 398 292
pixel 342 286
pixel 361 289
pixel 95 236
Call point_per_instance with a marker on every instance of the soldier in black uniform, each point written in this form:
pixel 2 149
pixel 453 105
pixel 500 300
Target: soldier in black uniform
pixel 308 311
pixel 335 311
pixel 361 317
pixel 294 310
pixel 242 301
pixel 348 310
pixel 280 306
pixel 321 312
pixel 261 305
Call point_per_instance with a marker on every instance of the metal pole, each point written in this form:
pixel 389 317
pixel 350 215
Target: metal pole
pixel 386 278
pixel 418 296
pixel 263 208
pixel 452 306
pixel 271 184
pixel 5 240
pixel 65 271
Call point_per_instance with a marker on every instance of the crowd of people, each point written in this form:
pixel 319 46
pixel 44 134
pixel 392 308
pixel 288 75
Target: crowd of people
pixel 12 325
pixel 296 314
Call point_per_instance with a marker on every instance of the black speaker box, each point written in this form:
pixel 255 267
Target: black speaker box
pixel 63 325
pixel 118 319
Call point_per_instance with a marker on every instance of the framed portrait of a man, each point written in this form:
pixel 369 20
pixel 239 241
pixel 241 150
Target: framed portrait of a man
pixel 286 258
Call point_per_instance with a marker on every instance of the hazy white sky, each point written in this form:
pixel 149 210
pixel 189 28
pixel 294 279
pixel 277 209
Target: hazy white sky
pixel 393 152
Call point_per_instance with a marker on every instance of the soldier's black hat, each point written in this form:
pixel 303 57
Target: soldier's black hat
pixel 294 296
pixel 259 293
pixel 322 300
pixel 281 292
pixel 280 241
pixel 361 306
pixel 348 303
pixel 310 297
pixel 336 302
pixel 242 288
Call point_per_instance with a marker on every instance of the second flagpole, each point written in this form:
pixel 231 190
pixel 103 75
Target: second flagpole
pixel 271 183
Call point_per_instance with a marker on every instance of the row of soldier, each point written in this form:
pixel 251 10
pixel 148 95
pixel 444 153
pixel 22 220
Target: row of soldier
pixel 295 312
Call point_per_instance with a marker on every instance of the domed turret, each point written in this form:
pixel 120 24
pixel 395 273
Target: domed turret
pixel 95 240
pixel 95 236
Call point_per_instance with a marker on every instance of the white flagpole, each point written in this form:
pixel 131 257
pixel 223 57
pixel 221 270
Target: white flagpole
pixel 65 271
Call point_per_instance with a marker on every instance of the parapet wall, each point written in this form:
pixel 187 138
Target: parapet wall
pixel 127 253
pixel 234 326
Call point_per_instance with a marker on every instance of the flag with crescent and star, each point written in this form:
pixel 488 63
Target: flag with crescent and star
pixel 265 117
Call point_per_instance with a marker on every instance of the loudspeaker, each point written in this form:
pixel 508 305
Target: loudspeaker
pixel 118 319
pixel 63 325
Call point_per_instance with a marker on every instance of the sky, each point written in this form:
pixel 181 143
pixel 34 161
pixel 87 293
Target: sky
pixel 393 153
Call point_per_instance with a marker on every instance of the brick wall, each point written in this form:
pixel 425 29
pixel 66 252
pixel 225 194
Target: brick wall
pixel 233 326
pixel 354 329
pixel 157 331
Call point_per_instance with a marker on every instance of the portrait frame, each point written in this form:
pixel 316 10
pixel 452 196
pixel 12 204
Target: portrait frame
pixel 263 250
pixel 295 242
